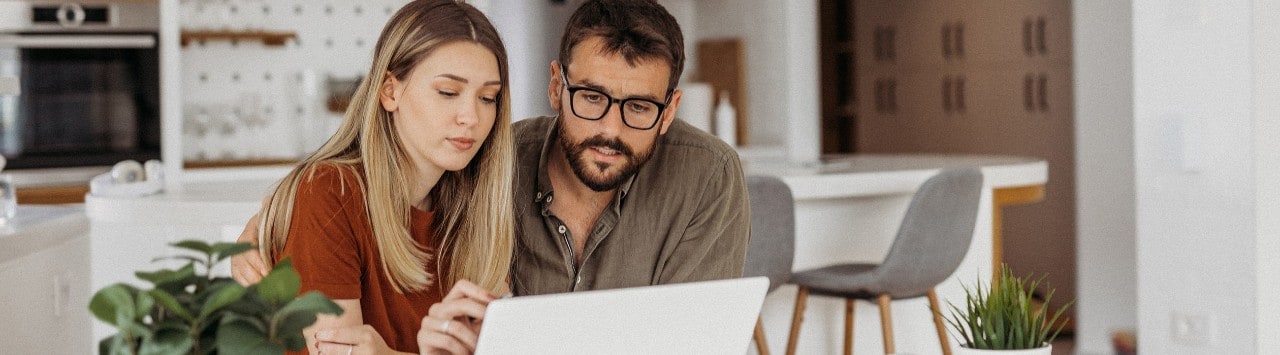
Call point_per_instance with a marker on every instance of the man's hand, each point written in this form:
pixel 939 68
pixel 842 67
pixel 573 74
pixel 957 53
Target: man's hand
pixel 453 325
pixel 248 267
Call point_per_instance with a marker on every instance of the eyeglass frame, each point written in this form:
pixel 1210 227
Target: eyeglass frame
pixel 622 114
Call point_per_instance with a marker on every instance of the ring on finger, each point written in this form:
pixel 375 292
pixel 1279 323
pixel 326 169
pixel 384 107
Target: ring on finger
pixel 350 349
pixel 444 328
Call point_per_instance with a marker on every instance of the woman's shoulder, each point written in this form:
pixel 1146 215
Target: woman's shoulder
pixel 331 178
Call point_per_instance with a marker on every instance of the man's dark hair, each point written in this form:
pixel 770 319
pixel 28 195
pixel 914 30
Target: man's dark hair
pixel 636 29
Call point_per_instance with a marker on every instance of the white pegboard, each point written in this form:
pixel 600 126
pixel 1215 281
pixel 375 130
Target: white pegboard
pixel 245 100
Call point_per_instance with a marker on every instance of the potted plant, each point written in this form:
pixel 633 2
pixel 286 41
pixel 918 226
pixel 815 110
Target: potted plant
pixel 187 312
pixel 1005 319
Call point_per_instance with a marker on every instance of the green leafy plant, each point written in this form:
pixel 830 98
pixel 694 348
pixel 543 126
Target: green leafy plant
pixel 193 313
pixel 1005 316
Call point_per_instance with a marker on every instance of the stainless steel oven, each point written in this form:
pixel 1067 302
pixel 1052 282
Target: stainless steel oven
pixel 88 76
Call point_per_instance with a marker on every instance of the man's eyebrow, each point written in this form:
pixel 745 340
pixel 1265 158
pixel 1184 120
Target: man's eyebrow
pixel 593 86
pixel 465 81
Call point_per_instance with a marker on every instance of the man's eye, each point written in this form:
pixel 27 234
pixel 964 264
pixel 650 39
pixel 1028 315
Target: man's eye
pixel 639 107
pixel 593 97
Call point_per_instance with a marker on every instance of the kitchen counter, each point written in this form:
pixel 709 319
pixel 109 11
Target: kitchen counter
pixel 44 281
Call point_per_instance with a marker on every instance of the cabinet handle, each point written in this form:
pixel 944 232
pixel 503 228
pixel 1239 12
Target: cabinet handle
pixel 959 91
pixel 893 96
pixel 959 39
pixel 1028 92
pixel 1044 92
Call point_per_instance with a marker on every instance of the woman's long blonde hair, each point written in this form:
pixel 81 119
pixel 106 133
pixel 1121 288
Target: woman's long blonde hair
pixel 474 213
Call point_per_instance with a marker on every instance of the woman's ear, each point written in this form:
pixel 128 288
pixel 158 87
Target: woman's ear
pixel 389 93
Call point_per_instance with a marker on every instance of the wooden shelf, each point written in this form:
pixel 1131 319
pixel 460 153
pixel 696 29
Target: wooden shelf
pixel 269 38
pixel 205 164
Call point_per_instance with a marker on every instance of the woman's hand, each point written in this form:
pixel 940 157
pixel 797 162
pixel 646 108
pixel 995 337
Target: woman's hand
pixel 248 267
pixel 353 340
pixel 453 325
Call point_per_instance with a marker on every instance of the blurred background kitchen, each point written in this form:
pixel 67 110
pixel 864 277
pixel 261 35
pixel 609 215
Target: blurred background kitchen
pixel 1151 176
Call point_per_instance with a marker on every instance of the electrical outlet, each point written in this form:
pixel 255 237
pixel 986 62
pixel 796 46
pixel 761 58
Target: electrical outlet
pixel 1192 328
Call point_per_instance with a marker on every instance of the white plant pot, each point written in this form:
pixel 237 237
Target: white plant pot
pixel 1047 349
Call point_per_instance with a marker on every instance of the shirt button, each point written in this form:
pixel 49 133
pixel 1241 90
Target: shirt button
pixel 578 280
pixel 549 197
pixel 561 229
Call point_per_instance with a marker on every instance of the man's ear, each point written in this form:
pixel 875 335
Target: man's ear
pixel 669 115
pixel 389 93
pixel 554 87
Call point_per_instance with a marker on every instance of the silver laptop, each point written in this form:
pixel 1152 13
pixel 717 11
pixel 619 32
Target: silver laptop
pixel 711 317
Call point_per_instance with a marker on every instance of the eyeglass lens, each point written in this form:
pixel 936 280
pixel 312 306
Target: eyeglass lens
pixel 637 113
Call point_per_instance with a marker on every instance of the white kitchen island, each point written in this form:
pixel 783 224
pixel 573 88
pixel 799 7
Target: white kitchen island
pixel 848 209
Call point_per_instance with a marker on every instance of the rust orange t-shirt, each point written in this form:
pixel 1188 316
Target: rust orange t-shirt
pixel 333 249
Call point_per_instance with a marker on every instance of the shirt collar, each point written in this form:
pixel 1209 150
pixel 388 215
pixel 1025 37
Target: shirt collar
pixel 544 179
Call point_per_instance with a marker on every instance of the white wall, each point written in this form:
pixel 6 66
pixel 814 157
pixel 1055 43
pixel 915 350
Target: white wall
pixel 1196 208
pixel 1106 299
pixel 781 40
pixel 1266 116
pixel 531 31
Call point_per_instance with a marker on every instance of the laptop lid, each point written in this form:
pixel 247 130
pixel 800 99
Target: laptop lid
pixel 710 317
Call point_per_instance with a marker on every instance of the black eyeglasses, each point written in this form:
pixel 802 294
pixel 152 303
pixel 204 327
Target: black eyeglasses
pixel 591 104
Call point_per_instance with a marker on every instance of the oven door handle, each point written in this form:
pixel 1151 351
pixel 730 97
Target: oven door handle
pixel 77 41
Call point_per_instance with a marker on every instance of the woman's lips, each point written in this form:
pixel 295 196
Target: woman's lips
pixel 462 143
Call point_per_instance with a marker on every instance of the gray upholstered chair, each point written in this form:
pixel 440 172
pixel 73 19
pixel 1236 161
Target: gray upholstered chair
pixel 932 240
pixel 773 228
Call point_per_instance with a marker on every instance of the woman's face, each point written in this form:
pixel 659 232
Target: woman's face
pixel 445 108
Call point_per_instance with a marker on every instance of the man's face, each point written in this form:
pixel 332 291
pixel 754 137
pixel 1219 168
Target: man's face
pixel 605 152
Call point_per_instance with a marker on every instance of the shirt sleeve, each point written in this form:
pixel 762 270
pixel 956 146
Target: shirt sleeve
pixel 328 215
pixel 715 242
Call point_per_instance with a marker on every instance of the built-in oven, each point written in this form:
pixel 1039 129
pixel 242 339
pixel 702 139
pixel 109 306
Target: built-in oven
pixel 88 75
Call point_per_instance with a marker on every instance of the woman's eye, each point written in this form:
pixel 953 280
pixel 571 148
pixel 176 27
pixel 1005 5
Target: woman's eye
pixel 489 99
pixel 447 93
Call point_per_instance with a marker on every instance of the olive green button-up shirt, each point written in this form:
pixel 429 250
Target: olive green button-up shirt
pixel 683 217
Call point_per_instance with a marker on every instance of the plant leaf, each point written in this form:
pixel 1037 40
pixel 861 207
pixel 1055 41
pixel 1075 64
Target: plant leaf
pixel 239 336
pixel 166 341
pixel 196 245
pixel 281 284
pixel 166 277
pixel 171 304
pixel 113 303
pixel 223 296
pixel 224 250
pixel 301 313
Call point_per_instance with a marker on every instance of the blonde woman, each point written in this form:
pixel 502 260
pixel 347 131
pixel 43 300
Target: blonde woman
pixel 412 196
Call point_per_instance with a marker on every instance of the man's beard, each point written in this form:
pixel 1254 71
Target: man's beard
pixel 576 154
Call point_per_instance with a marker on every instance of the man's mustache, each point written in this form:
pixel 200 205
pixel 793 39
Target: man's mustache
pixel 611 143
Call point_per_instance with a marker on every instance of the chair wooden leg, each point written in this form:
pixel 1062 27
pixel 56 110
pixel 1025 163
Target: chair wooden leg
pixel 762 345
pixel 801 296
pixel 937 322
pixel 886 323
pixel 848 326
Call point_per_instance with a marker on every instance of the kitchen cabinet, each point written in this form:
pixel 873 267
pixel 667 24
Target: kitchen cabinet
pixel 976 77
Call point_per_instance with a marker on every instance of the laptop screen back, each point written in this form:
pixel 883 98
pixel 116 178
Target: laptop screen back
pixel 711 317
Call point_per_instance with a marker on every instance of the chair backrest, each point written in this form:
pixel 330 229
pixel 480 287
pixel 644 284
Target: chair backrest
pixel 935 233
pixel 771 251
